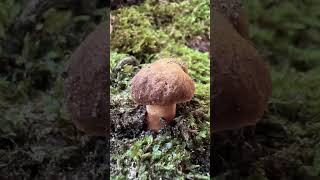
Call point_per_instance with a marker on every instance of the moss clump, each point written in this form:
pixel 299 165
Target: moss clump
pixel 142 22
pixel 178 20
pixel 198 62
pixel 131 25
pixel 292 26
pixel 162 155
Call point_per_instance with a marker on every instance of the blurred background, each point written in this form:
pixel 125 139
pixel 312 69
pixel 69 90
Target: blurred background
pixel 285 144
pixel 37 138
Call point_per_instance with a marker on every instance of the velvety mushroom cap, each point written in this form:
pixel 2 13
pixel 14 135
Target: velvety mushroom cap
pixel 242 82
pixel 162 83
pixel 86 83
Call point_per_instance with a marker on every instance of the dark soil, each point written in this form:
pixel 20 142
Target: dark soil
pixel 115 4
pixel 201 44
pixel 129 124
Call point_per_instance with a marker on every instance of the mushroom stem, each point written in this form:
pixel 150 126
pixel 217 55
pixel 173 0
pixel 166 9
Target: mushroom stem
pixel 155 112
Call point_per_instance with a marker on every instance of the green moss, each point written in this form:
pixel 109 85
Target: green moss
pixel 163 156
pixel 198 62
pixel 115 58
pixel 292 26
pixel 287 32
pixel 178 19
pixel 296 95
pixel 146 29
pixel 131 26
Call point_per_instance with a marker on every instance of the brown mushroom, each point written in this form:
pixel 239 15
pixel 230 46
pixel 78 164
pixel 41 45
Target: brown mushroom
pixel 242 82
pixel 160 86
pixel 86 85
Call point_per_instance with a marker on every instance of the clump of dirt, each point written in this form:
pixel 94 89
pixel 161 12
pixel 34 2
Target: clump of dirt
pixel 131 122
pixel 187 107
pixel 115 4
pixel 201 155
pixel 128 124
pixel 199 43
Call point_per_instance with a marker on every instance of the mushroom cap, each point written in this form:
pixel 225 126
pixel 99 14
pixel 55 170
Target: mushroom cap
pixel 164 82
pixel 86 85
pixel 242 81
